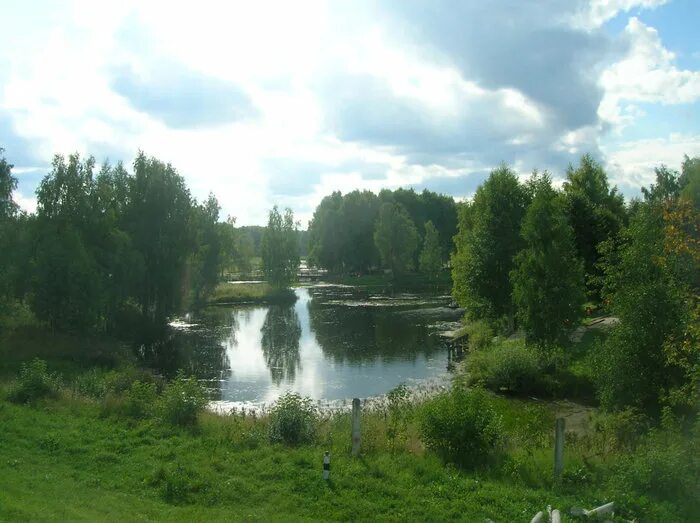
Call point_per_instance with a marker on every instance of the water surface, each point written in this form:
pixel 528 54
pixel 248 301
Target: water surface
pixel 333 343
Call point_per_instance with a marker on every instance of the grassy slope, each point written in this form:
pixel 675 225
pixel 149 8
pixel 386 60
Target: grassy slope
pixel 63 461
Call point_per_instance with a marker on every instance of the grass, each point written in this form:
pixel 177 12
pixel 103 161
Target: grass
pixel 257 293
pixel 68 459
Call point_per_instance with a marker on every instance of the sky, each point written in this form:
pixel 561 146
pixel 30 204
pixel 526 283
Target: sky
pixel 266 103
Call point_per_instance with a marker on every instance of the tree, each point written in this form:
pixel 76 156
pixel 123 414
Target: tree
pixel 280 249
pixel 8 183
pixel 159 223
pixel 487 240
pixel 207 256
pixel 358 213
pixel 630 366
pixel 396 238
pixel 326 234
pixel 431 256
pixel 596 214
pixel 548 287
pixel 9 229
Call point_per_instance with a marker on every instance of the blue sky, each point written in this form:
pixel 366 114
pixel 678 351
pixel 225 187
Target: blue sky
pixel 268 103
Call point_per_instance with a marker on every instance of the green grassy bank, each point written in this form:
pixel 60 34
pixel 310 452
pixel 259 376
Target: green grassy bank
pixel 250 293
pixel 94 449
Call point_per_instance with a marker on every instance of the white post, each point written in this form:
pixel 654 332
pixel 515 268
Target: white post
pixel 326 465
pixel 538 517
pixel 556 516
pixel 559 449
pixel 355 426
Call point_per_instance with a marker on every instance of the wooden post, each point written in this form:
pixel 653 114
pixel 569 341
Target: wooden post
pixel 326 466
pixel 559 449
pixel 355 426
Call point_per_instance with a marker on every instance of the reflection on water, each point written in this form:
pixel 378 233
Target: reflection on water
pixel 333 343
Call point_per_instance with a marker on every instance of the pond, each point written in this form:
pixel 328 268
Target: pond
pixel 333 343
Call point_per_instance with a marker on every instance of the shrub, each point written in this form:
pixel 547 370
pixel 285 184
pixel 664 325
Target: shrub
pixel 91 384
pixel 141 400
pixel 508 366
pixel 182 400
pixel 664 467
pixel 34 382
pixel 293 420
pixel 479 335
pixel 461 425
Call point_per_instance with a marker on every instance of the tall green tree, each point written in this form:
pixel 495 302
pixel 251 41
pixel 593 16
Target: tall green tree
pixel 159 223
pixel 396 238
pixel 358 213
pixel 326 234
pixel 8 184
pixel 487 241
pixel 67 288
pixel 9 232
pixel 207 256
pixel 596 213
pixel 548 286
pixel 431 256
pixel 280 249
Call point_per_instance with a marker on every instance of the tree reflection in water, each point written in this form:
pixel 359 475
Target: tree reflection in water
pixel 280 343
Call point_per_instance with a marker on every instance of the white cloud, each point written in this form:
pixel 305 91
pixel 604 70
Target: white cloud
pixel 646 74
pixel 633 163
pixel 416 114
pixel 597 12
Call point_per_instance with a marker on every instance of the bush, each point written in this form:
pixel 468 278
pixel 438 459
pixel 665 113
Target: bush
pixel 182 400
pixel 35 382
pixel 91 384
pixel 461 425
pixel 479 335
pixel 664 467
pixel 293 420
pixel 141 400
pixel 509 366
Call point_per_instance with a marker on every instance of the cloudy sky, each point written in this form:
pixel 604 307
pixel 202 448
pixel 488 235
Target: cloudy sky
pixel 283 102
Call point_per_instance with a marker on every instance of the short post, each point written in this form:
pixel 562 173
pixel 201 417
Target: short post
pixel 326 465
pixel 355 426
pixel 559 449
pixel 556 516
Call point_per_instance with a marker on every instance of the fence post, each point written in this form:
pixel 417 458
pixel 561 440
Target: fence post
pixel 559 449
pixel 326 465
pixel 355 426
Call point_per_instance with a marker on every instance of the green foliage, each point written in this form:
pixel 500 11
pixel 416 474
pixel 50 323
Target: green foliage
pixel 141 403
pixel 430 260
pixel 479 335
pixel 631 366
pixel 596 214
pixel 208 258
pixel 665 467
pixel 547 280
pixel 341 233
pixel 35 382
pixel 462 426
pixel 293 420
pixel 508 366
pixel 181 401
pixel 396 238
pixel 487 240
pixel 280 249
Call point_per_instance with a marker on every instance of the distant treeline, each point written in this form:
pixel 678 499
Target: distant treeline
pixel 255 233
pixel 348 235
